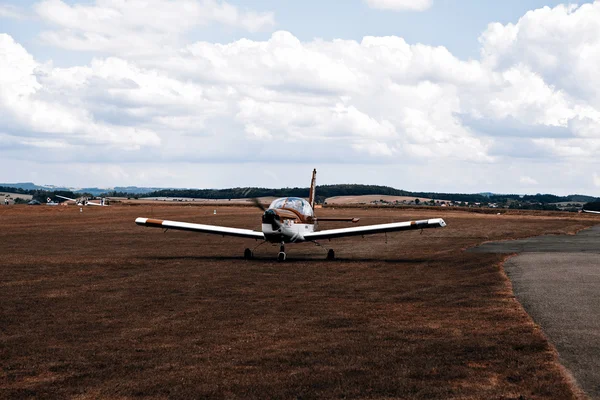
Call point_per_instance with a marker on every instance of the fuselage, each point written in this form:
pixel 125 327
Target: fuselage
pixel 287 220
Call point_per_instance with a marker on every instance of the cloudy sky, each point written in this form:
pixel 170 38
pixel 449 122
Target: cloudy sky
pixel 436 95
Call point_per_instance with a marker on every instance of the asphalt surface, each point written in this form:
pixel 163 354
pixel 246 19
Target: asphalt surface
pixel 557 280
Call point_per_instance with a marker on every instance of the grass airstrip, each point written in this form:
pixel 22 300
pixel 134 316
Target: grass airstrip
pixel 93 306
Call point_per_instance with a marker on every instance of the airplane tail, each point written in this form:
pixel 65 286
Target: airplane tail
pixel 313 185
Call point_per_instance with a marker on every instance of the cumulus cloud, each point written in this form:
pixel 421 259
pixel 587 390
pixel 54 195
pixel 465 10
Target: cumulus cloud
pixel 528 181
pixel 559 44
pixel 596 179
pixel 549 55
pixel 45 116
pixel 138 26
pixel 379 100
pixel 401 5
pixel 10 11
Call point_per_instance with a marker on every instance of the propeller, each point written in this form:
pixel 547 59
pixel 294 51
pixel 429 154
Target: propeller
pixel 258 204
pixel 271 217
pixel 267 219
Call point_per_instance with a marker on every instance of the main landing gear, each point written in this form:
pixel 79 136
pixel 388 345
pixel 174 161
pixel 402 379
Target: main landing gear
pixel 281 256
pixel 331 254
pixel 249 254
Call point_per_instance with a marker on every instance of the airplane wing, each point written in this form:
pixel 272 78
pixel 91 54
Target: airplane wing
pixel 186 226
pixel 591 212
pixel 66 198
pixel 373 229
pixel 87 203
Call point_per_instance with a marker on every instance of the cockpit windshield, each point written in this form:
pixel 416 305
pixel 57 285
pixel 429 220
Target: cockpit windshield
pixel 294 203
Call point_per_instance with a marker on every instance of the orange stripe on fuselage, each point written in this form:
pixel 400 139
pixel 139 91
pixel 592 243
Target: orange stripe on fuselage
pixel 289 213
pixel 155 222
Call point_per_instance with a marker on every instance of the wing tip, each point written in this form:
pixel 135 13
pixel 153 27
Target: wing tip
pixel 149 222
pixel 437 221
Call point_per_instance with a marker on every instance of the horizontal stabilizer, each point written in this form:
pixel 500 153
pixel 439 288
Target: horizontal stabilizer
pixel 333 219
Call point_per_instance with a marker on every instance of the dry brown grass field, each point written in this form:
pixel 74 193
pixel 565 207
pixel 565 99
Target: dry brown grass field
pixel 93 306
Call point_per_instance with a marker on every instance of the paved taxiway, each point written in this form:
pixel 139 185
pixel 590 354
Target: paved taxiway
pixel 557 280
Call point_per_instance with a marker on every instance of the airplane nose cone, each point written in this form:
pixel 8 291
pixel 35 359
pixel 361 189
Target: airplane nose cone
pixel 271 217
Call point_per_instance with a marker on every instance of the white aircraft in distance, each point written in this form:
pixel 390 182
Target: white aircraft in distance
pixel 49 202
pixel 292 220
pixel 591 212
pixel 85 202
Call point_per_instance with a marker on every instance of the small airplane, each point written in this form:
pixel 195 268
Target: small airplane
pixel 34 202
pixel 85 202
pixel 49 202
pixel 292 220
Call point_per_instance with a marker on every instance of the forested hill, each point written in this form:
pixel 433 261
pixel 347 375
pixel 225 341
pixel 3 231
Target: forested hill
pixel 40 194
pixel 325 191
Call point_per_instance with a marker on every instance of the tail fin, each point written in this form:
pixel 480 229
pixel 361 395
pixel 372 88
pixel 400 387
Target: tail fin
pixel 313 184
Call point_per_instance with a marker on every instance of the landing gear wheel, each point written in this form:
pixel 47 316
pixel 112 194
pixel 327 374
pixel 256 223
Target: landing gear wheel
pixel 331 254
pixel 248 254
pixel 281 255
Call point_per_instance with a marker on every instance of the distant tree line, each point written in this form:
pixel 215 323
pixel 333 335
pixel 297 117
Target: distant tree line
pixel 592 206
pixel 233 193
pixel 116 193
pixel 533 206
pixel 42 195
pixel 325 191
pixel 8 189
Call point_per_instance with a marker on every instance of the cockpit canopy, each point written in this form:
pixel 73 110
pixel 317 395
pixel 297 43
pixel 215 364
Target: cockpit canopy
pixel 293 203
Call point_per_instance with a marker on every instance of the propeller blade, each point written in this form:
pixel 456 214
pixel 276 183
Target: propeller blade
pixel 258 204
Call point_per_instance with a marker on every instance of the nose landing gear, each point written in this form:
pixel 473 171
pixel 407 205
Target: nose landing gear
pixel 281 256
